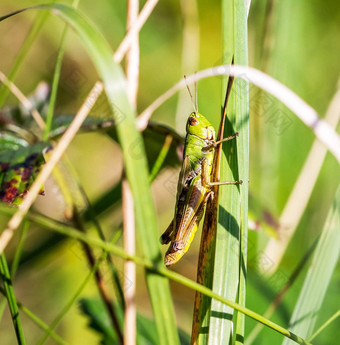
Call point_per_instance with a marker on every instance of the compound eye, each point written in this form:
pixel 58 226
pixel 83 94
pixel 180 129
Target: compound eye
pixel 193 121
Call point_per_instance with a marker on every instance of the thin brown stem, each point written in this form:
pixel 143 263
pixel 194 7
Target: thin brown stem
pixel 78 224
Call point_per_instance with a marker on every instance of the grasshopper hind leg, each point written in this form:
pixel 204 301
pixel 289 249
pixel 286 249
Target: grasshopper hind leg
pixel 180 246
pixel 206 177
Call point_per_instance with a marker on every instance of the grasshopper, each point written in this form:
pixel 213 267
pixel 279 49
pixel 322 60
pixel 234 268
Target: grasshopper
pixel 194 186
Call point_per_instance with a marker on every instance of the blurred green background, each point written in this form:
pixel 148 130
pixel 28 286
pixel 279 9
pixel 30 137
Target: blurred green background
pixel 296 42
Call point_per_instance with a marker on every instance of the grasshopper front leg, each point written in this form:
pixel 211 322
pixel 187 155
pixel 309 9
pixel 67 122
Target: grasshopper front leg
pixel 216 143
pixel 206 177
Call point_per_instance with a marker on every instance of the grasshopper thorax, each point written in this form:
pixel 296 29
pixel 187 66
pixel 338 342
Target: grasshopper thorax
pixel 199 126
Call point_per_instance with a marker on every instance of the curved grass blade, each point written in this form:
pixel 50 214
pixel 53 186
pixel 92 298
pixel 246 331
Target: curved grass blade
pixel 134 159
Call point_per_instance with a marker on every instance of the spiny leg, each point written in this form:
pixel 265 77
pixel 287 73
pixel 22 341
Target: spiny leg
pixel 206 177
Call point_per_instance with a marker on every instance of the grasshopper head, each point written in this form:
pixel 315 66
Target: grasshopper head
pixel 198 125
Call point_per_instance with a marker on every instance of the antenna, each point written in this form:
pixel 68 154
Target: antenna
pixel 192 99
pixel 196 98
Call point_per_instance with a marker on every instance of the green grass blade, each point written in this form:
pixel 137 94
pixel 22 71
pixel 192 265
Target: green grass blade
pixel 19 249
pixel 319 275
pixel 242 111
pixel 231 236
pixel 12 302
pixel 225 279
pixel 134 159
pixel 16 260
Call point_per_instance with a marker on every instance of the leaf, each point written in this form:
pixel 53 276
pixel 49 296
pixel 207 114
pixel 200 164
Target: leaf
pixel 18 170
pixel 98 320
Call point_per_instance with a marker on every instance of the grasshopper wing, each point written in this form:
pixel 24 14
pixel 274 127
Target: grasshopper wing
pixel 183 177
pixel 187 220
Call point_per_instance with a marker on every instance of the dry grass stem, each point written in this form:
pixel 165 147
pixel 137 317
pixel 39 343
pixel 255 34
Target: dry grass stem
pixel 135 28
pixel 130 331
pixel 322 130
pixel 129 229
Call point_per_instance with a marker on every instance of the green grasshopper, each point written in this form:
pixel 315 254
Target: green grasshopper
pixel 194 186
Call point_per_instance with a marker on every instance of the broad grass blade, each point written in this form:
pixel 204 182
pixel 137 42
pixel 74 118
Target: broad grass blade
pixel 318 276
